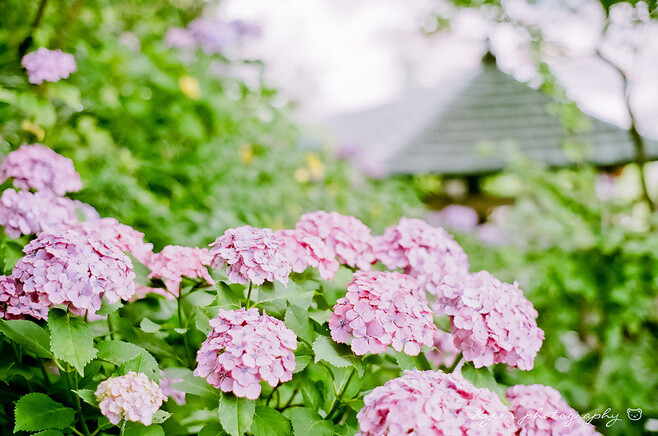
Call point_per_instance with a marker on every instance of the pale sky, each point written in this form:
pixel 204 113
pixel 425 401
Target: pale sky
pixel 337 56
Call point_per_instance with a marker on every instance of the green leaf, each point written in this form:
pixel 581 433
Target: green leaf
pixel 227 297
pixel 28 334
pixel 236 414
pixel 303 356
pixel 269 422
pixel 139 429
pixel 320 316
pixel 202 321
pixel 308 422
pixel 274 298
pixel 144 362
pixel 194 385
pixel 37 411
pixel 212 429
pixel 71 339
pixel 335 354
pixel 49 433
pixel 160 416
pixel 484 378
pixel 87 395
pixel 109 308
pixel 149 326
pixel 117 352
pixel 296 320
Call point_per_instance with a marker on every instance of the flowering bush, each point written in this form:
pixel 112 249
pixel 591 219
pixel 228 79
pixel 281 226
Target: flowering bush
pixel 246 344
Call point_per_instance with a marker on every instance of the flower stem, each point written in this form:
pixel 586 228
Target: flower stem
pixel 251 285
pixel 110 327
pixel 44 372
pixel 454 365
pixel 339 397
pixel 27 42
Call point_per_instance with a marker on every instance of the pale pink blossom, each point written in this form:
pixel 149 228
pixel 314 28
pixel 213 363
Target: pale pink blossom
pixel 40 168
pixel 28 213
pixel 347 237
pixel 303 250
pixel 252 254
pixel 48 65
pixel 540 411
pixel 65 267
pixel 131 397
pixel 492 321
pixel 175 262
pixel 433 403
pixel 244 348
pixel 426 253
pixel 381 309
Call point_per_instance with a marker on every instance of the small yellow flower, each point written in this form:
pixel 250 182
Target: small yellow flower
pixel 34 129
pixel 190 87
pixel 315 166
pixel 246 154
pixel 302 175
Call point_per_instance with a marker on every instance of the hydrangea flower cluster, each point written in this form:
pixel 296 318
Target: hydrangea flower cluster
pixel 121 236
pixel 131 397
pixel 170 392
pixel 251 254
pixel 65 267
pixel 424 252
pixel 433 403
pixel 346 236
pixel 244 348
pixel 457 217
pixel 381 309
pixel 16 304
pixel 48 65
pixel 540 410
pixel 38 167
pixel 303 250
pixel 174 262
pixel 28 213
pixel 492 321
pixel 444 351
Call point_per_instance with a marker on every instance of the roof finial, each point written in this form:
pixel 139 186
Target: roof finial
pixel 489 58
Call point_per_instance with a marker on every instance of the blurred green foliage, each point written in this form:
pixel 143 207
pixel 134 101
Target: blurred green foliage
pixel 164 139
pixel 589 267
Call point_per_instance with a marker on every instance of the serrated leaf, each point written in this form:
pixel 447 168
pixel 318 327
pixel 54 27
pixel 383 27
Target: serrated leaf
pixel 227 298
pixel 117 352
pixel 149 326
pixel 275 298
pixel 160 416
pixel 37 411
pixel 269 422
pixel 308 422
pixel 335 354
pixel 29 335
pixel 236 414
pixel 144 363
pixel 202 321
pixel 320 316
pixel 49 433
pixel 296 319
pixel 71 339
pixel 303 356
pixel 87 395
pixel 196 386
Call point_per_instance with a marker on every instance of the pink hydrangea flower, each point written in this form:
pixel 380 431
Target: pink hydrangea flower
pixel 433 403
pixel 381 309
pixel 346 236
pixel 213 35
pixel 168 391
pixel 303 250
pixel 540 411
pixel 38 167
pixel 178 37
pixel 131 397
pixel 65 267
pixel 121 236
pixel 27 213
pixel 244 348
pixel 48 65
pixel 457 217
pixel 251 254
pixel 424 252
pixel 174 262
pixel 444 351
pixel 15 303
pixel 492 321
